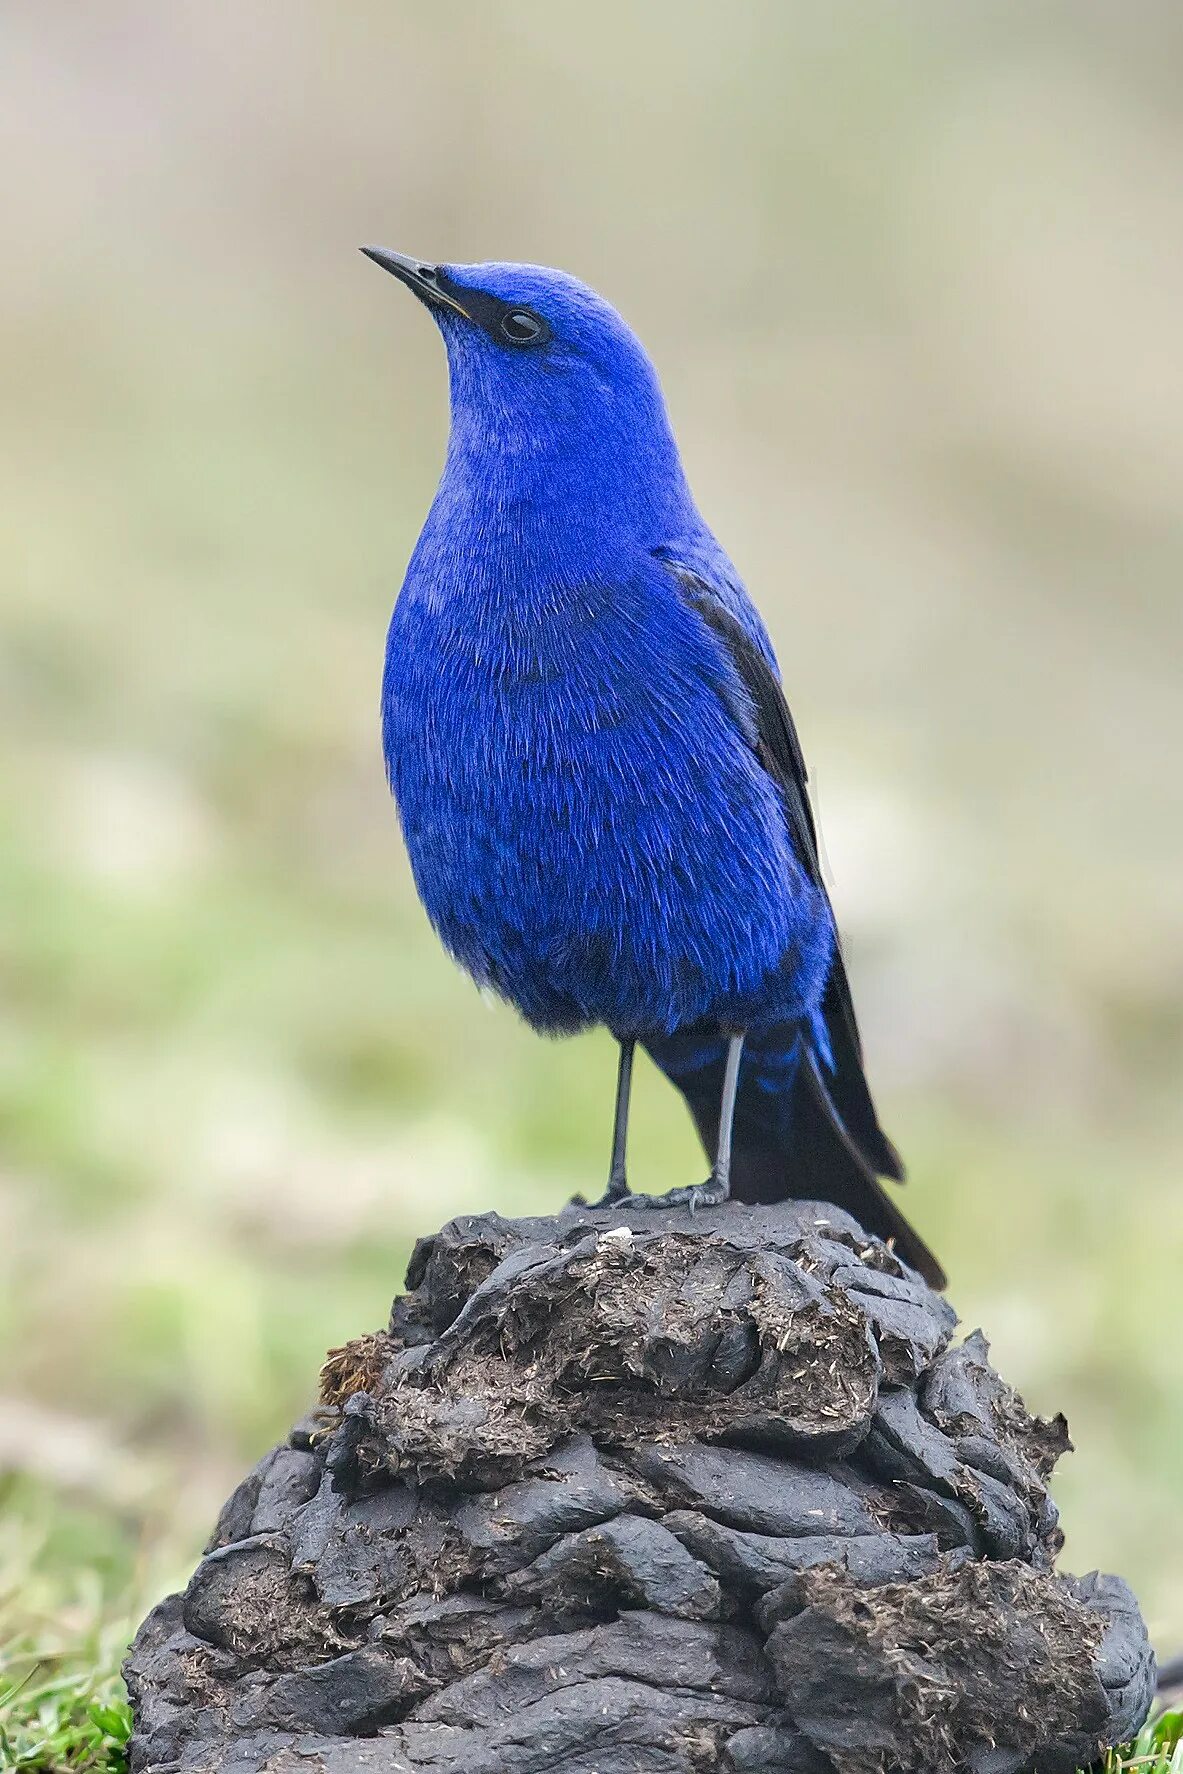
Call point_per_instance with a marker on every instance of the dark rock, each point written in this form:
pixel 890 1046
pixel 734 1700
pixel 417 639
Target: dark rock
pixel 773 1749
pixel 921 1510
pixel 663 1653
pixel 1125 1664
pixel 979 1665
pixel 629 1562
pixel 370 1551
pixel 237 1512
pixel 288 1481
pixel 350 1696
pixel 171 1679
pixel 754 1563
pixel 456 1634
pixel 906 1446
pixel 245 1599
pixel 961 1391
pixel 755 1492
pixel 574 1487
pixel 911 1324
pixel 661 1495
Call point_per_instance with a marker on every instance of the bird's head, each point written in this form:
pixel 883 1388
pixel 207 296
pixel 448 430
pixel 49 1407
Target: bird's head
pixel 545 374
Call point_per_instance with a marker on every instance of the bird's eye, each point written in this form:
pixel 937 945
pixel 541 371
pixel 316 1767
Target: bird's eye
pixel 521 327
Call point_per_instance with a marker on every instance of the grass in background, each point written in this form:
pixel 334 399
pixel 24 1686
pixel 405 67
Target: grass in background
pixel 63 1631
pixel 1157 1749
pixel 65 1715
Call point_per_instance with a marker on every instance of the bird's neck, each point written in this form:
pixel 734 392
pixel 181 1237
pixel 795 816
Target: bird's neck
pixel 521 508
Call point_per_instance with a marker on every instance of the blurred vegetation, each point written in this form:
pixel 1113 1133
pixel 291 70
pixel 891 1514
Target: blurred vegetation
pixel 912 277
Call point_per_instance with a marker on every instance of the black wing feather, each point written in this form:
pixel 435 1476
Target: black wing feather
pixel 778 746
pixel 779 751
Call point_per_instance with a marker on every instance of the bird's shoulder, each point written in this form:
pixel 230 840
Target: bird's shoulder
pixel 705 576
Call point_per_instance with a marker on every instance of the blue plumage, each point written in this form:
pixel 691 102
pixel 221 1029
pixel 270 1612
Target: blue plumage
pixel 599 785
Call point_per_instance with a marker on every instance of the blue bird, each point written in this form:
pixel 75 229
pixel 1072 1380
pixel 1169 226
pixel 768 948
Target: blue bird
pixel 600 785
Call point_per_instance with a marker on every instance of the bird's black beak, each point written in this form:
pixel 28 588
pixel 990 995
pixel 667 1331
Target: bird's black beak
pixel 424 280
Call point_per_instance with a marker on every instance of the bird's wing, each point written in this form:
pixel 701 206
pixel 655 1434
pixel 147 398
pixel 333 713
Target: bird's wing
pixel 776 743
pixel 778 748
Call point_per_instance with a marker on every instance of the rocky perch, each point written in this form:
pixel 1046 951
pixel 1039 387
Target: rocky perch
pixel 628 1493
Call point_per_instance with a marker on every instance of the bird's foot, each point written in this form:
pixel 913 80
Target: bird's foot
pixel 712 1193
pixel 616 1192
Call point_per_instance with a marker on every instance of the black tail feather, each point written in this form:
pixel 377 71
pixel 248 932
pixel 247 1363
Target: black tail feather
pixel 797 1143
pixel 847 1083
pixel 843 1174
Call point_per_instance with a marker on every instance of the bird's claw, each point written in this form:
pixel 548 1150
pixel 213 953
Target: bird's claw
pixel 709 1194
pixel 615 1195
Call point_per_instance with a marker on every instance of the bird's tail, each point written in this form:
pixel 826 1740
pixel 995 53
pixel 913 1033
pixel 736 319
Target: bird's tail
pixel 805 1125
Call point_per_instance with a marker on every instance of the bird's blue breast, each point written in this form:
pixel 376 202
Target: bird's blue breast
pixel 590 832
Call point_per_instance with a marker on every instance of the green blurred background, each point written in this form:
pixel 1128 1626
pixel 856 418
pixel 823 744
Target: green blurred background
pixel 913 278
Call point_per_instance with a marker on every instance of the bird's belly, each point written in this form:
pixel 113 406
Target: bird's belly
pixel 592 867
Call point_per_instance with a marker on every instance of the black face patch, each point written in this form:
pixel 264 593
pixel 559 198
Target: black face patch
pixel 511 324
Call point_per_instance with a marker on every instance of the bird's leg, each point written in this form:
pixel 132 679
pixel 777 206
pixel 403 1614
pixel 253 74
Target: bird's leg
pixel 618 1175
pixel 722 1171
pixel 717 1187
